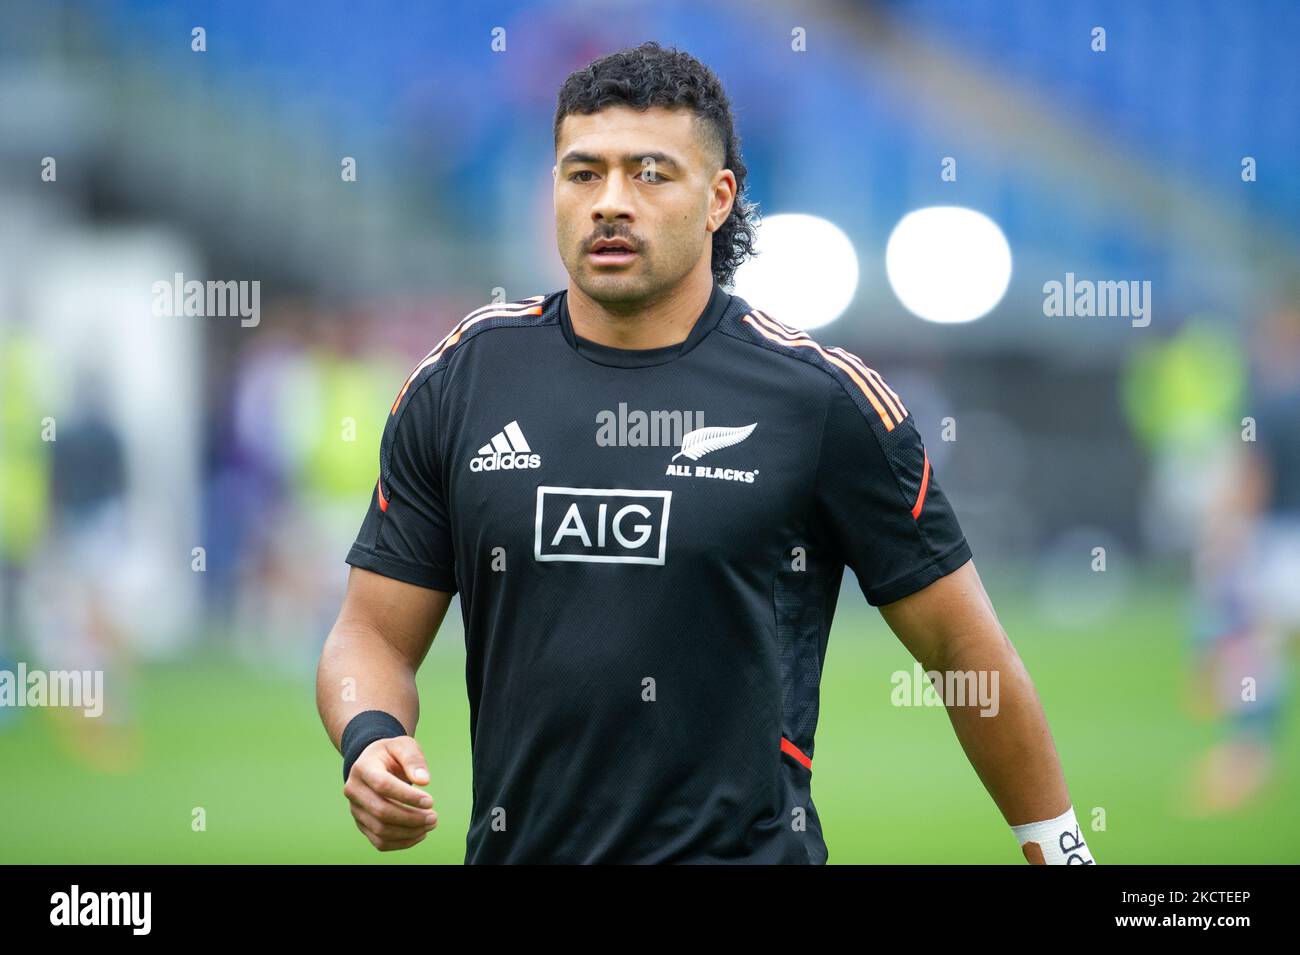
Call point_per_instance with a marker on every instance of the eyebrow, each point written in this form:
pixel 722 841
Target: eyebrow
pixel 662 159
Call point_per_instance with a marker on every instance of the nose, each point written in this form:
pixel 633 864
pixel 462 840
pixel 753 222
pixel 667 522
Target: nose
pixel 613 201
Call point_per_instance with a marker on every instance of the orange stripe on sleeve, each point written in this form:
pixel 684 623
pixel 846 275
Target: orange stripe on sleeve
pixel 886 393
pixel 883 391
pixel 777 336
pixel 454 336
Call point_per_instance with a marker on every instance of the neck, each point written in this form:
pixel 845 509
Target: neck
pixel 665 319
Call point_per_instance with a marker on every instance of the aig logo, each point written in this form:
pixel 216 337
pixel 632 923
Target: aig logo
pixel 601 525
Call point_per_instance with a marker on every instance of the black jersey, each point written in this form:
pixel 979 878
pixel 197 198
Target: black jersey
pixel 648 546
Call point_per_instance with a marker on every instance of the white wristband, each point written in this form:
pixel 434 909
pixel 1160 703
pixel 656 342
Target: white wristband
pixel 1057 839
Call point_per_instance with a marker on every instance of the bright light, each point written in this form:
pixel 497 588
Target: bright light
pixel 948 264
pixel 805 273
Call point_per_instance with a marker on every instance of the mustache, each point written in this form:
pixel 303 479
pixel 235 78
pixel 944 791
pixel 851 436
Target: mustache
pixel 625 236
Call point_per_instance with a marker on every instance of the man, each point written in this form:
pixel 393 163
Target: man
pixel 1247 605
pixel 646 492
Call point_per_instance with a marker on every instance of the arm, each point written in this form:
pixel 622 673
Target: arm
pixel 402 579
pixel 379 640
pixel 369 662
pixel 880 504
pixel 951 625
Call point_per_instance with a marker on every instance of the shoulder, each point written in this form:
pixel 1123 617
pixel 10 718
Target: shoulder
pixel 532 311
pixel 840 373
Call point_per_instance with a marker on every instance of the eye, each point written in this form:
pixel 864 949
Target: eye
pixel 652 175
pixel 581 172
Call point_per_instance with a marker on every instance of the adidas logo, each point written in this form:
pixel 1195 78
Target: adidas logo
pixel 507 451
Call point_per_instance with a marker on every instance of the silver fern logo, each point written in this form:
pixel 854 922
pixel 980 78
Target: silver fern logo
pixel 697 443
pixel 702 441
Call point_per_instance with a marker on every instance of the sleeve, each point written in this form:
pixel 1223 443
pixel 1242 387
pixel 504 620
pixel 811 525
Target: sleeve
pixel 879 501
pixel 406 533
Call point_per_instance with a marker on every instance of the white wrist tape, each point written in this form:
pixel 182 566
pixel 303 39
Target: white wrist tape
pixel 1058 839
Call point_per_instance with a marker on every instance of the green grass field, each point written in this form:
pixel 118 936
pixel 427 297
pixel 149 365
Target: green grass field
pixel 891 783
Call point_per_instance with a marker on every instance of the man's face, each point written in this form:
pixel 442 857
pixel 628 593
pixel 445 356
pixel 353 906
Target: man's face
pixel 649 178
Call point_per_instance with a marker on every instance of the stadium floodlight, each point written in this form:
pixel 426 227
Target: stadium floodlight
pixel 805 273
pixel 948 263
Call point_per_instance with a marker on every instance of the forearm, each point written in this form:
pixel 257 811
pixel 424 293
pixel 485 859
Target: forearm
pixel 360 671
pixel 1011 748
pixel 951 627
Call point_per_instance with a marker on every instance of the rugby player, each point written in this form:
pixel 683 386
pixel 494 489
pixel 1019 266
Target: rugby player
pixel 647 593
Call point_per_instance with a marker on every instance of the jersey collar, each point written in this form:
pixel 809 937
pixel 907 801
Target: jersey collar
pixel 640 357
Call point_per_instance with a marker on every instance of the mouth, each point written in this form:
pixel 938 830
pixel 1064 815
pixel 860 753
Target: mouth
pixel 611 252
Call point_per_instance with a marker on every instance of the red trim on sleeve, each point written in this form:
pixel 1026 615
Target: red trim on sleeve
pixel 383 501
pixel 925 483
pixel 796 753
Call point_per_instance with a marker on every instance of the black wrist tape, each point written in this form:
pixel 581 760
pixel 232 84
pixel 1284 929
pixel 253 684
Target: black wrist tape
pixel 362 730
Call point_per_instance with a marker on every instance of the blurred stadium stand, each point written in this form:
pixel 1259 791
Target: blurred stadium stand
pixel 226 164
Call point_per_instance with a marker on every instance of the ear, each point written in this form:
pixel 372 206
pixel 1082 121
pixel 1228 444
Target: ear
pixel 727 180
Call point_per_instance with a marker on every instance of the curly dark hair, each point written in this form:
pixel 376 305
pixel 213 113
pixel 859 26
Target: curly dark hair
pixel 648 76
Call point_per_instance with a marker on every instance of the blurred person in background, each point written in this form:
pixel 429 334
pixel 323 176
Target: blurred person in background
pixel 77 606
pixel 25 482
pixel 1183 396
pixel 1247 580
pixel 310 408
pixel 251 496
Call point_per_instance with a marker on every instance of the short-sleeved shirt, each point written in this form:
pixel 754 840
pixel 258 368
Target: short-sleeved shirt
pixel 648 545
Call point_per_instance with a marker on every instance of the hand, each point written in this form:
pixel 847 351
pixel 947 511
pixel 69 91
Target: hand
pixel 388 810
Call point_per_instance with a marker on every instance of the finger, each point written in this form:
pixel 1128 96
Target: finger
pixel 392 813
pixel 402 844
pixel 366 831
pixel 385 843
pixel 386 830
pixel 377 776
pixel 409 756
pixel 386 812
